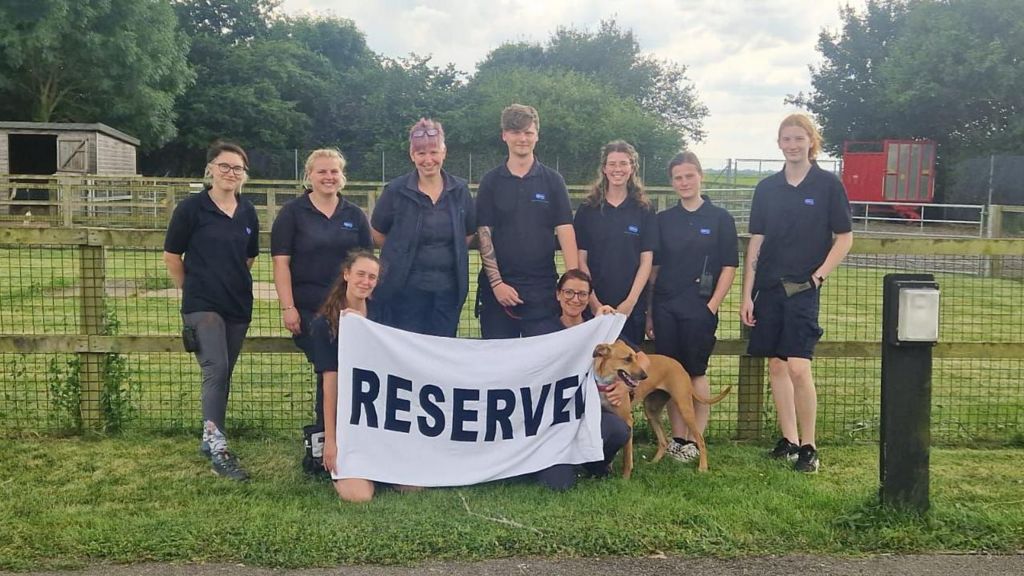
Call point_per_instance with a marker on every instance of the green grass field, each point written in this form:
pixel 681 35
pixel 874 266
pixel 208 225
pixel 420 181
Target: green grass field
pixel 73 502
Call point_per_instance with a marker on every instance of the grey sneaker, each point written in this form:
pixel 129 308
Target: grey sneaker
pixel 204 449
pixel 226 464
pixel 683 452
pixel 807 460
pixel 784 450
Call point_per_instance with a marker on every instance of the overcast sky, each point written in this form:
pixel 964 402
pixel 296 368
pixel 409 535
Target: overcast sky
pixel 744 56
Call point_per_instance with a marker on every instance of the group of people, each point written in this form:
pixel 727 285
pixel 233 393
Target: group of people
pixel 667 272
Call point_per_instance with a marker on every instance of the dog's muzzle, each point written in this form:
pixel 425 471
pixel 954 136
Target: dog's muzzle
pixel 628 379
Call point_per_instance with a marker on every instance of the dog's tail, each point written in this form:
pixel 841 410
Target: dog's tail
pixel 713 400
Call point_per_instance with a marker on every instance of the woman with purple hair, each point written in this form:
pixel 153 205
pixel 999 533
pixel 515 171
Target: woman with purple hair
pixel 423 222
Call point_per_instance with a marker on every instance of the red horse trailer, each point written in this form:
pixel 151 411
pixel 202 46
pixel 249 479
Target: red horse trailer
pixel 890 171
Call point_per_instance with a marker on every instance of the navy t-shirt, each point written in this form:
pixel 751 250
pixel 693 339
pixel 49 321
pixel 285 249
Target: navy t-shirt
pixel 522 214
pixel 614 237
pixel 797 223
pixel 317 245
pixel 690 243
pixel 216 247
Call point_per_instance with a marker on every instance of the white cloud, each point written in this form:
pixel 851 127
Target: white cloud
pixel 744 57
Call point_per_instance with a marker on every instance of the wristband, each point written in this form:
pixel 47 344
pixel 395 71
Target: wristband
pixel 287 308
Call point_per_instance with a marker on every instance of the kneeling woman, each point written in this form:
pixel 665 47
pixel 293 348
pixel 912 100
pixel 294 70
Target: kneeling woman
pixel 573 294
pixel 350 295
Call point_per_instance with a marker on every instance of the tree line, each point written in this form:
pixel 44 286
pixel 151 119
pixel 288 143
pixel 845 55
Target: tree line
pixel 179 73
pixel 948 70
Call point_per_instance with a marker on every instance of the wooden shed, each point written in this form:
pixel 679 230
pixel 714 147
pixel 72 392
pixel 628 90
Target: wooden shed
pixel 36 151
pixel 46 148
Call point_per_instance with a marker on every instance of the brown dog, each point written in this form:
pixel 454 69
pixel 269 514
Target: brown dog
pixel 665 379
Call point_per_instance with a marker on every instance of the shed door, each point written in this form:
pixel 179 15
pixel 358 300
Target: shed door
pixel 72 155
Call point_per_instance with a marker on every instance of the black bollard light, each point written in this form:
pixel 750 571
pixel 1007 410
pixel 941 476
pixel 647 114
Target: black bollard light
pixel 910 327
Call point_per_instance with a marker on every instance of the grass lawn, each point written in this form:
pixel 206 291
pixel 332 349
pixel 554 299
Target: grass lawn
pixel 66 503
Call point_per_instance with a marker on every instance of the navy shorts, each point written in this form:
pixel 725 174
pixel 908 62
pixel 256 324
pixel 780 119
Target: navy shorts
pixel 684 329
pixel 786 327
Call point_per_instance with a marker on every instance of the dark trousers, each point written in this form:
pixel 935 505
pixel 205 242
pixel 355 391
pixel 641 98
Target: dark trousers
pixel 614 432
pixel 304 341
pixel 220 342
pixel 635 327
pixel 527 319
pixel 423 312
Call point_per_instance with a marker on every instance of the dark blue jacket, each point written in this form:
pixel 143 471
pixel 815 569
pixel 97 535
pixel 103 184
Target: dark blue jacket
pixel 402 198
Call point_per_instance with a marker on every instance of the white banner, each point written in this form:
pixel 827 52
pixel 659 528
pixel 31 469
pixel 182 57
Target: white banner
pixel 431 411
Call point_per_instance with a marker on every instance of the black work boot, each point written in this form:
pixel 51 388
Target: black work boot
pixel 313 460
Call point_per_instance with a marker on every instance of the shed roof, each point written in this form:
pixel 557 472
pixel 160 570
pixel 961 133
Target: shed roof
pixel 70 127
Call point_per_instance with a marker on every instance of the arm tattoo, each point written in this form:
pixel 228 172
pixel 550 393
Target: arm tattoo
pixel 488 256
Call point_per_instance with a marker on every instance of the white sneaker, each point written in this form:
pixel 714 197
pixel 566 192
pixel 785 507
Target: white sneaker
pixel 685 452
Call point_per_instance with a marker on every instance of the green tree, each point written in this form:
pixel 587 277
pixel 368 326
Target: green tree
pixel 956 75
pixel 121 62
pixel 611 58
pixel 850 97
pixel 236 20
pixel 946 70
pixel 578 116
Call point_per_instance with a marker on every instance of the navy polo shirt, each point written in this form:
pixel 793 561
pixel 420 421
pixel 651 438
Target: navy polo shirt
pixel 216 247
pixel 325 346
pixel 686 239
pixel 797 223
pixel 317 245
pixel 614 237
pixel 522 214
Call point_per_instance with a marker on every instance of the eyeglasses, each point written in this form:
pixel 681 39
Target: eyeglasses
pixel 578 294
pixel 424 132
pixel 224 168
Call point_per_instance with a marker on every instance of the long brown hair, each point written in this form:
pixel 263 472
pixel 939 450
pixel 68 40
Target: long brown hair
pixel 634 186
pixel 336 300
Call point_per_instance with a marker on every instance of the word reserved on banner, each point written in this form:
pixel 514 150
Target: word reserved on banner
pixel 430 411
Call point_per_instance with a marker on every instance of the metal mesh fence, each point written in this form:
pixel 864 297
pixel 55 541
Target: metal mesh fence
pixel 89 324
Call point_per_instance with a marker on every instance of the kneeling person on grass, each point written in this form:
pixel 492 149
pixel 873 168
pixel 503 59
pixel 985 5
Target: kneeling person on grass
pixel 349 295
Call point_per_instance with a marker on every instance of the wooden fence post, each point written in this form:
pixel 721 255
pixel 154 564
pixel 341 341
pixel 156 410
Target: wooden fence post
pixel 750 400
pixel 271 207
pixel 92 272
pixel 67 201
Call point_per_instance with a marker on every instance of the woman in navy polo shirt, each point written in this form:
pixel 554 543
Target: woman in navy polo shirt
pixel 311 237
pixel 693 270
pixel 350 295
pixel 616 232
pixel 800 231
pixel 424 221
pixel 211 243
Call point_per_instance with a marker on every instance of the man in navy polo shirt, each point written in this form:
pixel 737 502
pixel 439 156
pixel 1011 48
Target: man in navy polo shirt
pixel 522 206
pixel 800 231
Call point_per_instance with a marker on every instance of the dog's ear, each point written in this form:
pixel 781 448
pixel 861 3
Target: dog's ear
pixel 602 350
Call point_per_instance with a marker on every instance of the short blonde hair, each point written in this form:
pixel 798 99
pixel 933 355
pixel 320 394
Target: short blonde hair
pixel 324 153
pixel 804 121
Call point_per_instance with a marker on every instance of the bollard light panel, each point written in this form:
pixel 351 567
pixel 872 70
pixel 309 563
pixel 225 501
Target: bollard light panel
pixel 918 315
